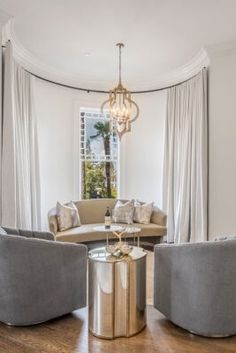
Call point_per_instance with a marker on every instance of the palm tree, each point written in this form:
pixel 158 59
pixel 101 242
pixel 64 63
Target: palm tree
pixel 104 131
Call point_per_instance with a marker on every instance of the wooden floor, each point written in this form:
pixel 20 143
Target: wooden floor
pixel 70 335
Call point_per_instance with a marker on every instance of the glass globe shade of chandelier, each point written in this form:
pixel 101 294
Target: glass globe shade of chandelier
pixel 123 110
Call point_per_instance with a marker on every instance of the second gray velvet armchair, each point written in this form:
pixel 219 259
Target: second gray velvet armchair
pixel 40 279
pixel 195 286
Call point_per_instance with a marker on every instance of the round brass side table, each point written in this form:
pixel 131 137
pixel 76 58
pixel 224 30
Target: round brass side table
pixel 117 293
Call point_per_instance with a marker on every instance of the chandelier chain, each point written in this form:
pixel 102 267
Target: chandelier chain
pixel 120 45
pixel 120 65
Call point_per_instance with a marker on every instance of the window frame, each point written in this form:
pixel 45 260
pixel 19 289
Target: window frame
pixel 80 160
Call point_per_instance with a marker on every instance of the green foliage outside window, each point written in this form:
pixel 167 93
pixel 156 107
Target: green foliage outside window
pixel 99 174
pixel 94 180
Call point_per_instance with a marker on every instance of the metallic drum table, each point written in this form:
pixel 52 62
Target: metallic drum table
pixel 117 293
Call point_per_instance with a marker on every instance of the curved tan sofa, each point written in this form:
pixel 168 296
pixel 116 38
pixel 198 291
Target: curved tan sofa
pixel 92 214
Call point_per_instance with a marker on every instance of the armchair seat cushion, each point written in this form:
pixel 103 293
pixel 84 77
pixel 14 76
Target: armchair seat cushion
pixel 86 232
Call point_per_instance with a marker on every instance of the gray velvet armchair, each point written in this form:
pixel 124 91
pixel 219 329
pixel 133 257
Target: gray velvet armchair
pixel 195 286
pixel 40 279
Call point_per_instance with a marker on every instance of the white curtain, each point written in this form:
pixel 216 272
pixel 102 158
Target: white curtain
pixel 8 189
pixel 20 162
pixel 186 161
pixel 1 112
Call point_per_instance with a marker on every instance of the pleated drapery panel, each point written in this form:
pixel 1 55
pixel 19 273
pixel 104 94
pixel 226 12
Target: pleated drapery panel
pixel 1 120
pixel 27 156
pixel 186 161
pixel 8 166
pixel 21 205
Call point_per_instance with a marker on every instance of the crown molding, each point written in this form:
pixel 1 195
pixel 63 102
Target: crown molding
pixel 4 18
pixel 221 49
pixel 195 65
pixel 31 63
pixel 28 60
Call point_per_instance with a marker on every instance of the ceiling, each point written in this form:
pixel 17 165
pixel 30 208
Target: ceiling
pixel 77 38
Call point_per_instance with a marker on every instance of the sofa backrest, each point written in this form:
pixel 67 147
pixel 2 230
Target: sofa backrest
pixel 93 210
pixel 90 211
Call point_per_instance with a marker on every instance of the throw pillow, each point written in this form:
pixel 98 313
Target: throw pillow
pixel 75 215
pixel 67 216
pixel 123 212
pixel 143 212
pixel 2 231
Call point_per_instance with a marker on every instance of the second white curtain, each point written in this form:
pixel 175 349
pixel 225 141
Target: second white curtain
pixel 185 161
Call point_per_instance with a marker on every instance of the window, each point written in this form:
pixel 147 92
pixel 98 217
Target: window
pixel 99 155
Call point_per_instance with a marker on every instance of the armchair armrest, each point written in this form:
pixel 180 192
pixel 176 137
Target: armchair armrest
pixel 158 217
pixel 40 279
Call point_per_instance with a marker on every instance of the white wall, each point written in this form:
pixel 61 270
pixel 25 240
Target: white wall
pixel 57 111
pixel 54 110
pixel 222 145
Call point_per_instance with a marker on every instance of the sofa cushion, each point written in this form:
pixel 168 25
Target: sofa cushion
pixel 93 211
pixel 67 216
pixel 123 212
pixel 143 212
pixel 86 232
pixel 158 216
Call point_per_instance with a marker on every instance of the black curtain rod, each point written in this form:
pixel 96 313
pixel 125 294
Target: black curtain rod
pixel 88 90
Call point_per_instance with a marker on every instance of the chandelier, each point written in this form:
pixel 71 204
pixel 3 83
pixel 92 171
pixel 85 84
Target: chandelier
pixel 123 110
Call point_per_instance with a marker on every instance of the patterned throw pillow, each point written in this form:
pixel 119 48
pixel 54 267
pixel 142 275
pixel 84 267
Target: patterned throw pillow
pixel 75 215
pixel 67 216
pixel 143 212
pixel 123 212
pixel 2 231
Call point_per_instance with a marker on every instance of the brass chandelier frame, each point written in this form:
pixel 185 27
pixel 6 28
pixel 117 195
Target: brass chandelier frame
pixel 121 105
